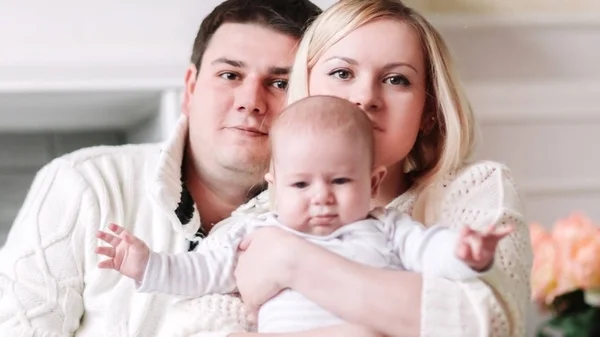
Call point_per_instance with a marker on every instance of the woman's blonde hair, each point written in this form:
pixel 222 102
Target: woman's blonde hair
pixel 438 150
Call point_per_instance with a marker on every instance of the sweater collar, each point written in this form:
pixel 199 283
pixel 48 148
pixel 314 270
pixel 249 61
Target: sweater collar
pixel 167 189
pixel 170 194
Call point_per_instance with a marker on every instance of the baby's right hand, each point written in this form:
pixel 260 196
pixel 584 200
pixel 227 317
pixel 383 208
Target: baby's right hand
pixel 128 254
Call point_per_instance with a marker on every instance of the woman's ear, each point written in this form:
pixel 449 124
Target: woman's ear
pixel 190 85
pixel 377 176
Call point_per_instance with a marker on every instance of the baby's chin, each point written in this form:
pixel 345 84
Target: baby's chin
pixel 317 228
pixel 322 230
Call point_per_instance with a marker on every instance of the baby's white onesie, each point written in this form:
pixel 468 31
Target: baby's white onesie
pixel 387 239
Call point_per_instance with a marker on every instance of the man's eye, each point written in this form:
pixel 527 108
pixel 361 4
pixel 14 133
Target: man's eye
pixel 229 76
pixel 280 84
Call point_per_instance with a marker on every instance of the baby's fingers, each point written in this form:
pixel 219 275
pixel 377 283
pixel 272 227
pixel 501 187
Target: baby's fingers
pixel 463 252
pixel 116 228
pixel 108 238
pixel 466 232
pixel 503 231
pixel 107 264
pixel 106 251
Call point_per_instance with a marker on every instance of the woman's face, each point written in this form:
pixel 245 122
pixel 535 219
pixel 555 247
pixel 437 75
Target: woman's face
pixel 380 67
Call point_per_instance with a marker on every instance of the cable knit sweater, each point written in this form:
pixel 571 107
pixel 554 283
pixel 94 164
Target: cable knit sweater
pixel 49 276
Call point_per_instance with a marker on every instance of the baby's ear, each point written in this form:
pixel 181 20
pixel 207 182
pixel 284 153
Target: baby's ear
pixel 377 176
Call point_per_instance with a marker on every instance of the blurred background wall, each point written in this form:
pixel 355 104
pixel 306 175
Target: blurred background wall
pixel 76 74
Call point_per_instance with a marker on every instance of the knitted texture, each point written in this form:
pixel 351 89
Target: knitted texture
pixel 48 268
pixel 478 195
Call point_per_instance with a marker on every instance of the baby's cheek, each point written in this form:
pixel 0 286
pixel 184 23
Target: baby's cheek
pixel 292 215
pixel 358 206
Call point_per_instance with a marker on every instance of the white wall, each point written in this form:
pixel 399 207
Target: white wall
pixel 76 34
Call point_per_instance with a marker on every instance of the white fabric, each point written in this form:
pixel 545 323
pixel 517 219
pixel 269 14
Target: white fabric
pixel 49 275
pixel 387 239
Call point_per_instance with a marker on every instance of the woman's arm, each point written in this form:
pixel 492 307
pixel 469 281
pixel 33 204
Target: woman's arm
pixel 405 304
pixel 383 300
pixel 380 300
pixel 400 303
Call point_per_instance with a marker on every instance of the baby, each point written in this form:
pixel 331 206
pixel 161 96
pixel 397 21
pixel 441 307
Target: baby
pixel 322 180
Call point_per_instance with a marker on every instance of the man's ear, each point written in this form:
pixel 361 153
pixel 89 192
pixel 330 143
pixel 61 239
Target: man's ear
pixel 269 177
pixel 377 176
pixel 190 85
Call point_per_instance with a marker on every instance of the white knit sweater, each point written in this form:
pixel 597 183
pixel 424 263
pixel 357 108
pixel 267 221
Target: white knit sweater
pixel 49 275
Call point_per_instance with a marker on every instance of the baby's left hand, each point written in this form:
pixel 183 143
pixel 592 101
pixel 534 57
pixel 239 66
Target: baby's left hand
pixel 477 249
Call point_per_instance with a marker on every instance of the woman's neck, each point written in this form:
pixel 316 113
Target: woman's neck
pixel 393 185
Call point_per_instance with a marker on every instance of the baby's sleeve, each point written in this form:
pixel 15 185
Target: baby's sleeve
pixel 427 250
pixel 209 269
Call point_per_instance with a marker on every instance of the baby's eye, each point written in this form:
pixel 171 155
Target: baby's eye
pixel 300 184
pixel 341 181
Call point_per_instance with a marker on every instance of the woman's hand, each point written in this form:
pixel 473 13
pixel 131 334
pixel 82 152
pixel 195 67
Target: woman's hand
pixel 265 265
pixel 384 300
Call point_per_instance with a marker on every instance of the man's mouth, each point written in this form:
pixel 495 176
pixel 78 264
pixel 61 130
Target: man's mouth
pixel 250 131
pixel 377 128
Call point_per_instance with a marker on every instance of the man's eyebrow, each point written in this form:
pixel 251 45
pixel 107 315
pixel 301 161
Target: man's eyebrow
pixel 233 63
pixel 278 71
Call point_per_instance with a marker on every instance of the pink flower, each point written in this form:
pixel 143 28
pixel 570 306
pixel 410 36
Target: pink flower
pixel 544 271
pixel 566 259
pixel 537 233
pixel 573 234
pixel 586 269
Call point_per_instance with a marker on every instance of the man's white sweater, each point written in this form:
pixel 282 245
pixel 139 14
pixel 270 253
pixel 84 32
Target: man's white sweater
pixel 50 284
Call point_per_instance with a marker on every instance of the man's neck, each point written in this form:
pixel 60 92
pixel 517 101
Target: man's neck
pixel 393 185
pixel 215 198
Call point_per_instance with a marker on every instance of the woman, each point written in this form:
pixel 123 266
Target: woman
pixel 391 62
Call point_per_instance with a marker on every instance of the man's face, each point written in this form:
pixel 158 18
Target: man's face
pixel 239 88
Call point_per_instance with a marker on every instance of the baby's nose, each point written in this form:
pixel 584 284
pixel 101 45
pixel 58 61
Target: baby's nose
pixel 323 196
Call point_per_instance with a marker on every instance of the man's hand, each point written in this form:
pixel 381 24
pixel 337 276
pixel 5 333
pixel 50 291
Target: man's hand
pixel 128 254
pixel 477 249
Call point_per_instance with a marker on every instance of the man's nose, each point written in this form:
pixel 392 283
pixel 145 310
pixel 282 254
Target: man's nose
pixel 250 97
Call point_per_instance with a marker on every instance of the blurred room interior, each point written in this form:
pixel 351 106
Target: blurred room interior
pixel 75 74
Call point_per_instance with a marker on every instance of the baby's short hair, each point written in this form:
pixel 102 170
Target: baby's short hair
pixel 316 114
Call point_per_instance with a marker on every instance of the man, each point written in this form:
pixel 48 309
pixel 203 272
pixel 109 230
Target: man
pixel 49 281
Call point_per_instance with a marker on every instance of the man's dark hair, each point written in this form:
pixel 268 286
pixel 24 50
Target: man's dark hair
pixel 290 17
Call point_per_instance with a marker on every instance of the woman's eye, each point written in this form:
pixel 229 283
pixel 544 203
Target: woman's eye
pixel 341 74
pixel 397 80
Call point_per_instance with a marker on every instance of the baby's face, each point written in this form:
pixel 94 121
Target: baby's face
pixel 322 181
